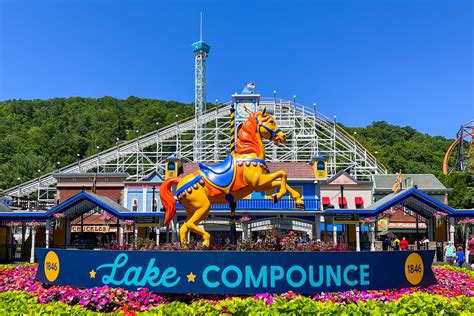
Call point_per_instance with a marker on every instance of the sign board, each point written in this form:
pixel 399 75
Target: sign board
pixel 382 225
pixel 90 229
pixel 346 218
pixel 147 221
pixel 236 272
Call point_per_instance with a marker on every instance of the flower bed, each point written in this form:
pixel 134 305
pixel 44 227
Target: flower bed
pixel 453 294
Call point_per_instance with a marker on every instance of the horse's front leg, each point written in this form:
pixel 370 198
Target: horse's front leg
pixel 266 180
pixel 295 195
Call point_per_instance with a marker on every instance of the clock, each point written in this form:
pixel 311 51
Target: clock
pixel 245 107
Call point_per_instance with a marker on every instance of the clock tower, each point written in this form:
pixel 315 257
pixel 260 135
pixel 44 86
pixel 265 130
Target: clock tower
pixel 244 104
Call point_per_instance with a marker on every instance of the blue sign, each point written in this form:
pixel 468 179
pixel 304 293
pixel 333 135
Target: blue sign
pixel 229 272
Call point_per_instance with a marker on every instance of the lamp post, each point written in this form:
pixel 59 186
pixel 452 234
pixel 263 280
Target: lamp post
pixel 177 135
pixel 342 197
pixel 19 190
pixel 153 204
pixel 98 161
pixel 274 101
pixel 39 186
pixel 78 162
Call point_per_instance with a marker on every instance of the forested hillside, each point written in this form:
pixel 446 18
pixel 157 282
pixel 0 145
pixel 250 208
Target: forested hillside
pixel 404 148
pixel 37 134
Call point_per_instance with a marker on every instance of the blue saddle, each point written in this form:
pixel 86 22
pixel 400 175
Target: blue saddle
pixel 221 174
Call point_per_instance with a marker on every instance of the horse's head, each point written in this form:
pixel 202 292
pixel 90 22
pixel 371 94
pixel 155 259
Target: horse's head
pixel 269 129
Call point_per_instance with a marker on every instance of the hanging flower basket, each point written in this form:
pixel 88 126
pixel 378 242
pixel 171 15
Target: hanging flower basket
pixel 106 217
pixel 367 220
pixel 34 224
pixel 466 221
pixel 440 218
pixel 126 224
pixel 388 213
pixel 59 218
pixel 14 224
pixel 244 219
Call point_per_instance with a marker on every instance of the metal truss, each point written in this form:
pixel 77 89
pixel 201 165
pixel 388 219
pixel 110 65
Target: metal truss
pixel 199 96
pixel 308 132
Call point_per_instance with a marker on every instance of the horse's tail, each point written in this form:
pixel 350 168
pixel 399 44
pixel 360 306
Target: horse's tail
pixel 167 198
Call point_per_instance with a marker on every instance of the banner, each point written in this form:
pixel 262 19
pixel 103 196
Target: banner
pixel 229 272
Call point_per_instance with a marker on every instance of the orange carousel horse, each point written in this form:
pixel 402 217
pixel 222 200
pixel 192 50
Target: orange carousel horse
pixel 241 173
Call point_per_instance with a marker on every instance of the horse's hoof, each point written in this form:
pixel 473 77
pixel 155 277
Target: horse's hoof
pixel 274 198
pixel 300 206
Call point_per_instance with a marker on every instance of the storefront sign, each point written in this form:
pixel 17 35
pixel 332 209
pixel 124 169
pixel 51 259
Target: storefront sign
pixel 90 229
pixel 346 218
pixel 228 272
pixel 393 225
pixel 147 221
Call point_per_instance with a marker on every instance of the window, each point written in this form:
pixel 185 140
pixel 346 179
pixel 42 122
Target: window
pixel 359 202
pixel 320 165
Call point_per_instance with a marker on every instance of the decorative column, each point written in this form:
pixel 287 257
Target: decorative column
pixel 144 199
pixel 451 229
pixel 317 228
pixel 125 197
pixel 135 234
pixel 245 230
pixel 157 229
pixel 48 225
pixel 67 230
pixel 357 227
pixel 33 241
pixel 372 236
pixel 120 234
pixel 334 233
pixel 174 233
pixel 466 242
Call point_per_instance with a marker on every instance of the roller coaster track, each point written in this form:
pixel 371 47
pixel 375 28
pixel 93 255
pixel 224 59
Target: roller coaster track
pixel 308 132
pixel 465 131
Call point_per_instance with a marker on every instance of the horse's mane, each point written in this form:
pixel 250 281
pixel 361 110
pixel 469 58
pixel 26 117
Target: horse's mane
pixel 249 140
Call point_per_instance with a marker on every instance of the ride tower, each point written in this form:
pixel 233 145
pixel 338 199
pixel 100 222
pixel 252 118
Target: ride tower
pixel 201 51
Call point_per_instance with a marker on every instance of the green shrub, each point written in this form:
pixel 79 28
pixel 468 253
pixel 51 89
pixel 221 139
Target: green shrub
pixel 420 304
pixel 21 303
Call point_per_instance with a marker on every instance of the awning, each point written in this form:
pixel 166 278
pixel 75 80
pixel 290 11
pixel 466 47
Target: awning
pixel 358 200
pixel 326 200
pixel 342 200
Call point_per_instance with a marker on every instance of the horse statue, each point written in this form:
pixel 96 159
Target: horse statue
pixel 241 173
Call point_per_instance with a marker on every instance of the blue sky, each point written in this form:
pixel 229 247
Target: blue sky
pixel 408 62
